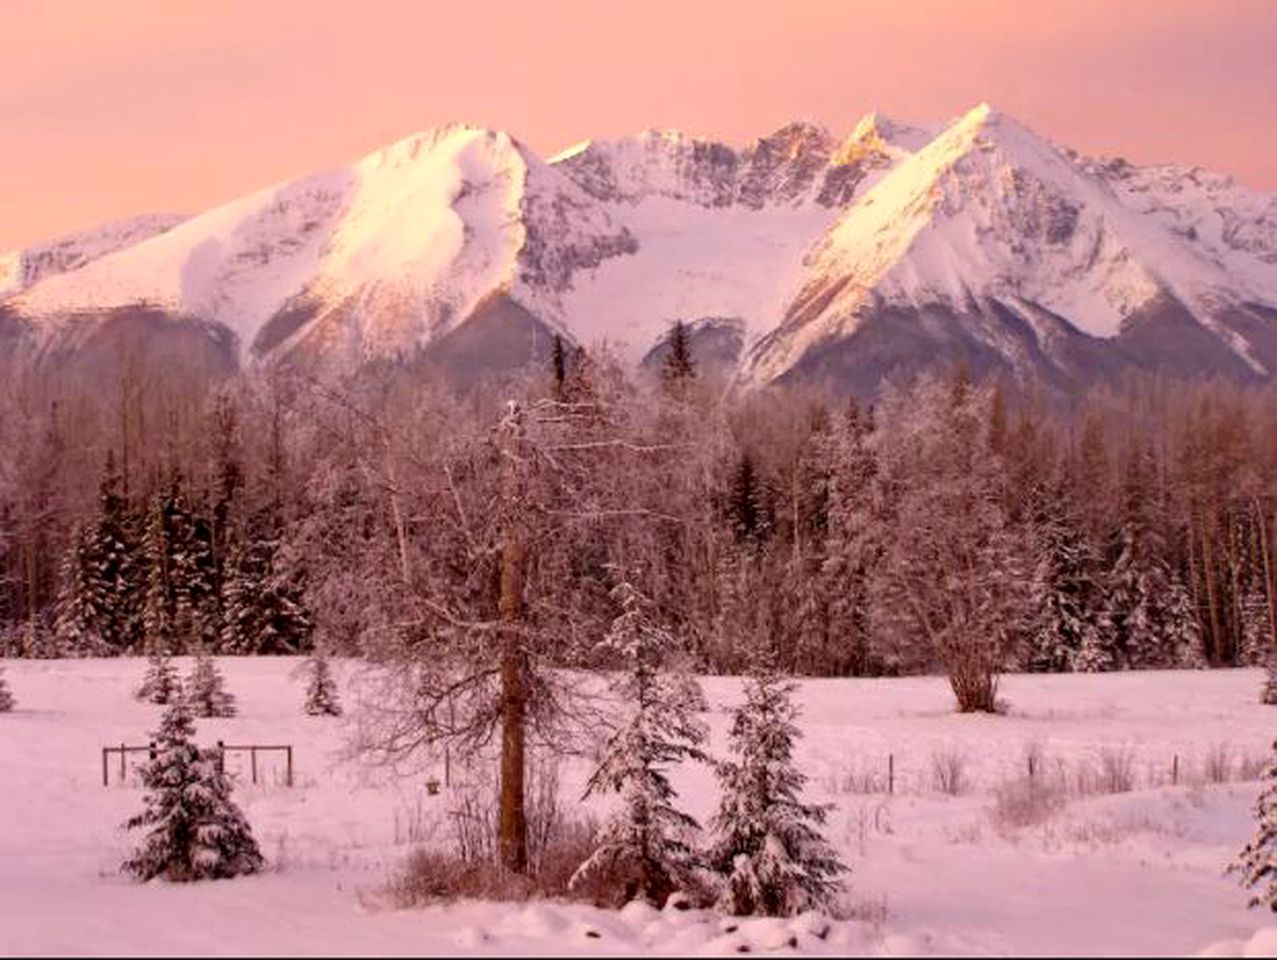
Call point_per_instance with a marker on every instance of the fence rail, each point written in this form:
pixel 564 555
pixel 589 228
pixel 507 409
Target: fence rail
pixel 252 749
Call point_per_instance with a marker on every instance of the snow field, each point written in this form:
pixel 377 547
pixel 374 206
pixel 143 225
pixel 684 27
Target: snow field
pixel 1129 872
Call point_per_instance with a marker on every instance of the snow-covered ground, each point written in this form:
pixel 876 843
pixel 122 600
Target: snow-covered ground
pixel 1132 872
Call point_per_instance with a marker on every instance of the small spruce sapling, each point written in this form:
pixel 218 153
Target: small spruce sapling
pixel 206 693
pixel 6 695
pixel 1257 863
pixel 160 684
pixel 321 690
pixel 767 846
pixel 197 832
pixel 1269 692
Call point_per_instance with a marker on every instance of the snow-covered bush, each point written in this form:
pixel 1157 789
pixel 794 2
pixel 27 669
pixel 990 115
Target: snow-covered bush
pixel 1257 863
pixel 206 693
pixel 196 830
pixel 767 846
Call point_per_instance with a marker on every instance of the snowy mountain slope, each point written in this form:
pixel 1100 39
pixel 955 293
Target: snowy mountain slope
pixel 368 260
pixel 845 260
pixel 1232 225
pixel 994 239
pixel 20 269
pixel 721 233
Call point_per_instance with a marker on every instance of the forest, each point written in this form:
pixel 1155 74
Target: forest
pixel 951 525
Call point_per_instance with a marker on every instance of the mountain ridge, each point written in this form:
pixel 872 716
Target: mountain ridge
pixel 844 259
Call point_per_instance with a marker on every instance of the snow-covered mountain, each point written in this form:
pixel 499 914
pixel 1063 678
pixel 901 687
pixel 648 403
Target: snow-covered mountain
pixel 19 269
pixel 991 245
pixel 798 256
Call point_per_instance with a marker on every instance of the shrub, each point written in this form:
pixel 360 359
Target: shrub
pixel 949 772
pixel 1217 763
pixel 1117 769
pixel 1026 802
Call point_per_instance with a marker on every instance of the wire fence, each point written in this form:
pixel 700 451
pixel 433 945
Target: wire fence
pixel 256 770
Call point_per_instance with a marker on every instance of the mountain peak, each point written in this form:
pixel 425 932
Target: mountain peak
pixel 981 114
pixel 876 134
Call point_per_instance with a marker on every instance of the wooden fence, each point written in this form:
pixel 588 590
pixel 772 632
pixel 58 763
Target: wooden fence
pixel 252 749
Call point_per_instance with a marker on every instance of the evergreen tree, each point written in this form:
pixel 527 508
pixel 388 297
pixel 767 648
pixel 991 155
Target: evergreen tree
pixel 1070 629
pixel 206 694
pixel 321 690
pixel 1256 627
pixel 678 368
pixel 263 608
pixel 157 607
pixel 80 604
pixel 767 845
pixel 159 684
pixel 113 553
pixel 1257 863
pixel 1096 654
pixel 580 383
pixel 196 830
pixel 852 545
pixel 6 695
pixel 747 507
pixel 645 846
pixel 1185 631
pixel 95 609
pixel 1154 624
pixel 1268 694
pixel 558 369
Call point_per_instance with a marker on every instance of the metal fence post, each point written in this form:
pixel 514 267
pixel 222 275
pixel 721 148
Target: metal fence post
pixel 891 773
pixel 106 776
pixel 252 756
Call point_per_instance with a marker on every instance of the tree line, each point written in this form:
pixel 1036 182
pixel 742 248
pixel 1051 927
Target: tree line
pixel 950 525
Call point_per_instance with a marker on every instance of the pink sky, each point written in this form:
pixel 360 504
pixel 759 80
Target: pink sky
pixel 113 108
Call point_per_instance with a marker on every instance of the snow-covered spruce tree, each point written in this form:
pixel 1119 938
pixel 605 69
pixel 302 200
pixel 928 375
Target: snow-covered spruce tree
pixel 1257 863
pixel 157 605
pixel 263 608
pixel 766 843
pixel 196 830
pixel 6 695
pixel 160 683
pixel 1256 627
pixel 852 545
pixel 206 693
pixel 95 609
pixel 1153 619
pixel 79 604
pixel 1069 629
pixel 645 849
pixel 321 689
